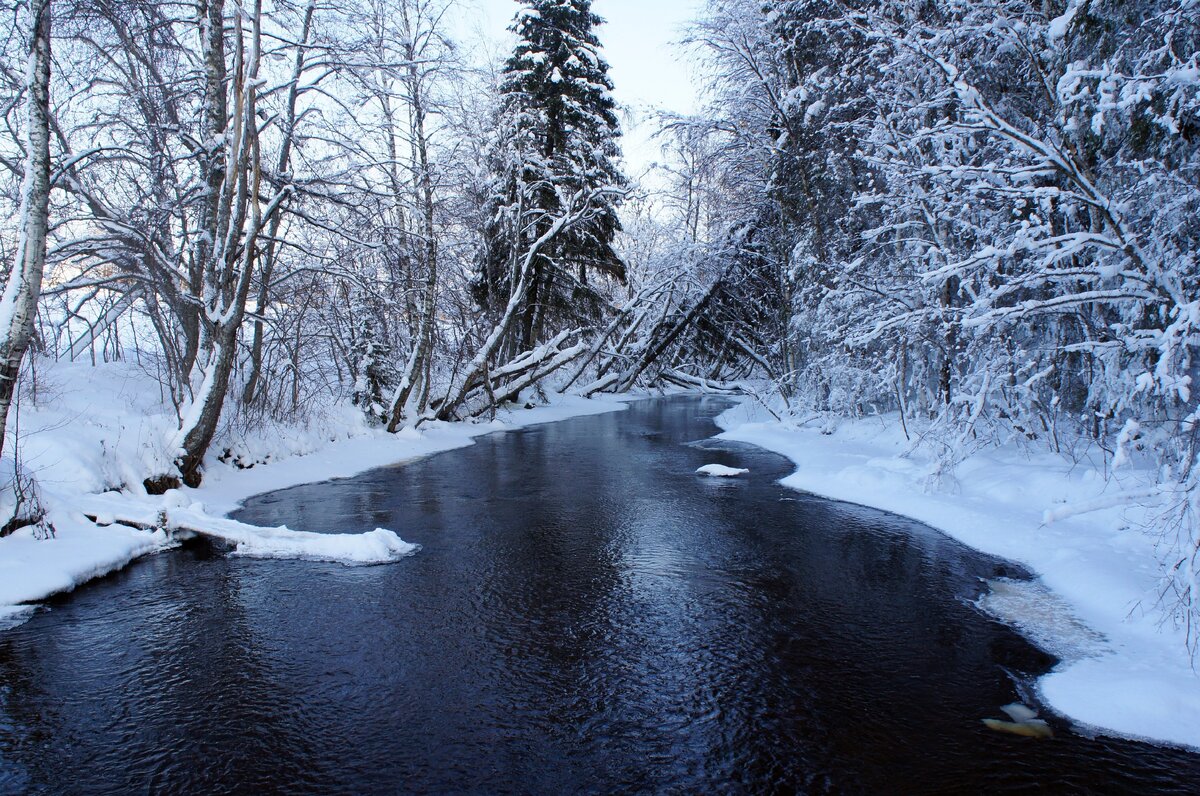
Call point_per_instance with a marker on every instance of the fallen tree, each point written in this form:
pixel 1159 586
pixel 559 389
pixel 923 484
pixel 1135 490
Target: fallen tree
pixel 577 208
pixel 638 354
pixel 373 547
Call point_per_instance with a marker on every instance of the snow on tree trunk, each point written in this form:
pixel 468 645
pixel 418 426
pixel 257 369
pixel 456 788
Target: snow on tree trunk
pixel 18 306
pixel 270 255
pixel 417 369
pixel 234 232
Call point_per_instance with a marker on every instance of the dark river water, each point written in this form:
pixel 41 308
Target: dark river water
pixel 586 616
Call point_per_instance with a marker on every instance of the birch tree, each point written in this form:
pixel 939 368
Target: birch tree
pixel 23 284
pixel 232 217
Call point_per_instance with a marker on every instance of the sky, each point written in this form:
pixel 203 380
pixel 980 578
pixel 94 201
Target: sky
pixel 646 69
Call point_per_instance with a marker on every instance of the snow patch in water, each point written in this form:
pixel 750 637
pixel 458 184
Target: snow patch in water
pixel 379 546
pixel 721 471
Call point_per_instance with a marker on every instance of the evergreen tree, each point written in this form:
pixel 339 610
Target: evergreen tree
pixel 557 132
pixel 370 363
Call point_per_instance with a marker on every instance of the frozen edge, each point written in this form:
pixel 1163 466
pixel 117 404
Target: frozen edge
pixel 1136 690
pixel 33 570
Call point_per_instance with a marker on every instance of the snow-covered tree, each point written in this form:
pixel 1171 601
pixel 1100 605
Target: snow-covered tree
pixel 986 216
pixel 23 283
pixel 556 135
pixel 371 362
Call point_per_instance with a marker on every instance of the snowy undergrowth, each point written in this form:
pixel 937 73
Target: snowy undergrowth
pixel 1123 670
pixel 91 434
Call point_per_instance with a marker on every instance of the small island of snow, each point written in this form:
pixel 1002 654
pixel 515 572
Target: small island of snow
pixel 720 471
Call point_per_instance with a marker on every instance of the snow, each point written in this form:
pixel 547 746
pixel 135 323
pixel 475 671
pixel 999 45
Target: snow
pixel 379 546
pixel 91 434
pixel 813 111
pixel 1094 603
pixel 15 615
pixel 1018 712
pixel 1057 28
pixel 721 471
pixel 32 569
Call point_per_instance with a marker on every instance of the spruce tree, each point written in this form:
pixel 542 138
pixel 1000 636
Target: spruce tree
pixel 370 362
pixel 557 132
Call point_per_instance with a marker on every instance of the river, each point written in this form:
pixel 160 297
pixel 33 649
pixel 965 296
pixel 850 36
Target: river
pixel 586 615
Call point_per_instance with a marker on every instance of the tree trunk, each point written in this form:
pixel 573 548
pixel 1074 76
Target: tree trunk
pixel 950 341
pixel 238 222
pixel 272 249
pixel 18 307
pixel 419 365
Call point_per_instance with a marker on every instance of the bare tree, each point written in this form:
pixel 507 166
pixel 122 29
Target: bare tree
pixel 231 221
pixel 18 306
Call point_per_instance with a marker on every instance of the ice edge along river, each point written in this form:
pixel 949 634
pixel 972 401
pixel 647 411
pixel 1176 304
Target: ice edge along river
pixel 1123 671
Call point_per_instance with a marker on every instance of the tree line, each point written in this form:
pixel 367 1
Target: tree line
pixel 275 202
pixel 982 217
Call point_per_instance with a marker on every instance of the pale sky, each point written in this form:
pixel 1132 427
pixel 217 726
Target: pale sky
pixel 647 71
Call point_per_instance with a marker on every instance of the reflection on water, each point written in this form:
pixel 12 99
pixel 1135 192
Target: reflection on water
pixel 586 615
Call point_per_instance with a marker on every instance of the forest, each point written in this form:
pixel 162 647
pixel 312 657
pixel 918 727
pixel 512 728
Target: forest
pixel 980 219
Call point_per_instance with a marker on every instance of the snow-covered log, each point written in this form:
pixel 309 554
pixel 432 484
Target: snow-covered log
pixel 548 361
pixel 83 343
pixel 379 546
pixel 697 383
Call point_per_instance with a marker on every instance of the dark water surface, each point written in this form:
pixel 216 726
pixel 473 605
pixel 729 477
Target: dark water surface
pixel 586 616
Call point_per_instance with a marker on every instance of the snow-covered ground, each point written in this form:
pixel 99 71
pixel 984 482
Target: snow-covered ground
pixel 90 435
pixel 1095 601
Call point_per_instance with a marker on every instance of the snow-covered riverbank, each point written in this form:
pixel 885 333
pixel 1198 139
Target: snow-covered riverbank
pixel 90 448
pixel 1093 603
pixel 1122 671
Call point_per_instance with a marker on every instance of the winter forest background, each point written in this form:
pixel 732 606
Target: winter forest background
pixel 980 218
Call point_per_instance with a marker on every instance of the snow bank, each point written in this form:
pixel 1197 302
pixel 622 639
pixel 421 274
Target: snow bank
pixel 32 569
pixel 1123 671
pixel 91 434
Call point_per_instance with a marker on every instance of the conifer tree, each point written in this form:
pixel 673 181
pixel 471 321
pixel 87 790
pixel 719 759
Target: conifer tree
pixel 370 362
pixel 557 134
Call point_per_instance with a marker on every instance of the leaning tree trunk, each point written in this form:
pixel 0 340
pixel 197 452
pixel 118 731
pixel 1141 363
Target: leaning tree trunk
pixel 576 209
pixel 18 307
